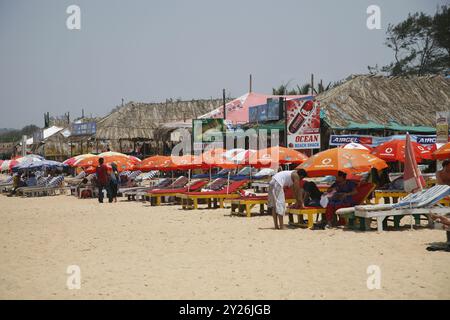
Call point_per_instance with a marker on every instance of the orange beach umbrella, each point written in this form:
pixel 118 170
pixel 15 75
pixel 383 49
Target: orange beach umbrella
pixel 351 161
pixel 394 150
pixel 443 152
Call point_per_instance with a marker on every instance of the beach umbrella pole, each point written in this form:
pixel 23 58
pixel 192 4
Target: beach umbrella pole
pixel 189 178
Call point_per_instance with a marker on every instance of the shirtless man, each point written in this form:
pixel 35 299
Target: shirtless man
pixel 276 193
pixel 443 176
pixel 445 221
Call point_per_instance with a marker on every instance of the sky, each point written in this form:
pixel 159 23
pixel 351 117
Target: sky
pixel 151 50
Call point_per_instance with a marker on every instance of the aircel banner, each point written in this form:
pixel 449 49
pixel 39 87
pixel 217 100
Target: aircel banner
pixel 373 141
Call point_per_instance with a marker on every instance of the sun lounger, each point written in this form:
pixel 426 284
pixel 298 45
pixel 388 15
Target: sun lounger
pixel 155 195
pixel 147 175
pixel 190 200
pixel 56 185
pixel 6 184
pixel 364 190
pixel 221 174
pixel 75 180
pixel 245 204
pixel 132 193
pixel 421 203
pixel 8 180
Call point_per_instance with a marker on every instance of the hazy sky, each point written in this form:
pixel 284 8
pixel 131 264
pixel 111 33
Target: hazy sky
pixel 152 50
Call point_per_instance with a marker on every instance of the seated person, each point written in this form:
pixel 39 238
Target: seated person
pixel 446 223
pixel 18 182
pixel 310 194
pixel 342 191
pixel 31 181
pixel 443 176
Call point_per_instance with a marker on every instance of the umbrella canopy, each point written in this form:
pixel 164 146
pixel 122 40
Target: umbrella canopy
pixel 29 158
pixel 358 146
pixel 351 161
pixel 32 165
pixel 280 155
pixel 443 152
pixel 187 162
pixel 394 150
pixel 7 165
pixel 244 157
pixel 71 161
pixel 152 163
pixel 123 162
pixel 230 154
pixel 134 159
pixel 112 154
pixel 213 156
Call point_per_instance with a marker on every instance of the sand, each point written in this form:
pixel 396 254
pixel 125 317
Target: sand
pixel 130 250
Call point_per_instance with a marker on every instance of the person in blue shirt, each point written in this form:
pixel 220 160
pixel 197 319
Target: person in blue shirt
pixel 31 180
pixel 343 191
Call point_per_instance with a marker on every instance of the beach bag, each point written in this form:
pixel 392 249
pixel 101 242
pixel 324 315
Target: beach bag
pixel 325 198
pixel 86 194
pixel 324 201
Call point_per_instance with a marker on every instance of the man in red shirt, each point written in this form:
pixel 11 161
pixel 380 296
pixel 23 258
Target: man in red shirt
pixel 103 181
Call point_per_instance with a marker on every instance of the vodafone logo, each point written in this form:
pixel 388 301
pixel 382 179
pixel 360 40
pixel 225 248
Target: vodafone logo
pixel 388 150
pixel 326 161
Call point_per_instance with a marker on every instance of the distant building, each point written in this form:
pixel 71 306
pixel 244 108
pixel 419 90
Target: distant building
pixel 6 149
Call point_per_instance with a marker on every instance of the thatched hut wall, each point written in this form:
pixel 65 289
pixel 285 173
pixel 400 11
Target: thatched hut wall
pixel 138 121
pixel 409 101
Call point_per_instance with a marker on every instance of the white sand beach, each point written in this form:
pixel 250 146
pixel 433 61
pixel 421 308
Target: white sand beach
pixel 130 250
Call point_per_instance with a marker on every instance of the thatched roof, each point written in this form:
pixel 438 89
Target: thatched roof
pixel 139 120
pixel 408 101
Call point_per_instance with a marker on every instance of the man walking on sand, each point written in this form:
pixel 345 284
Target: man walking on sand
pixel 284 179
pixel 103 181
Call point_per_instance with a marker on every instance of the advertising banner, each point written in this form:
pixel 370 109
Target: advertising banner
pixel 262 113
pixel 373 141
pixel 205 131
pixel 253 114
pixel 303 124
pixel 273 109
pixel 80 129
pixel 442 118
pixel 38 136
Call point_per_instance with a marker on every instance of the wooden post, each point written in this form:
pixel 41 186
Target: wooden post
pixel 224 105
pixel 285 123
pixel 250 87
pixel 312 84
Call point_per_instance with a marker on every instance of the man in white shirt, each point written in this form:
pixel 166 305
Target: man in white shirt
pixel 284 179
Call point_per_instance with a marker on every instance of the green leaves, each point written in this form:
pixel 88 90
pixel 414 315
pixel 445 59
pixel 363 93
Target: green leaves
pixel 421 44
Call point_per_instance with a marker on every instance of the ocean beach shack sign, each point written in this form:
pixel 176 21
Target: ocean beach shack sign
pixel 303 123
